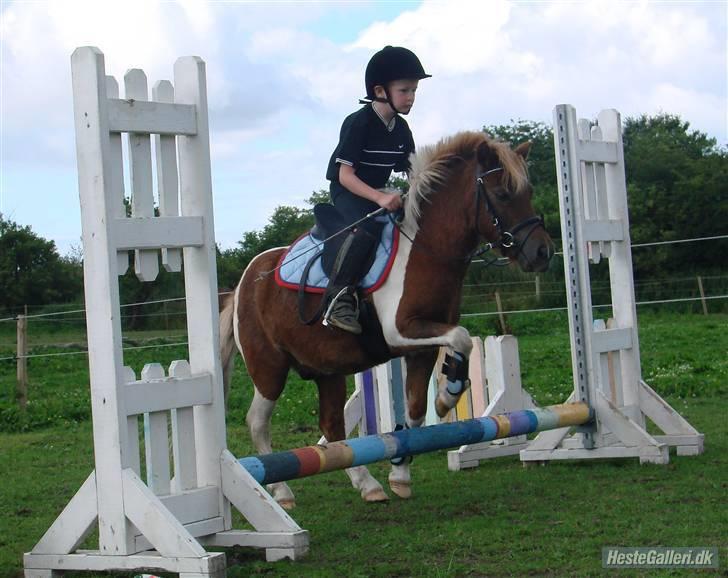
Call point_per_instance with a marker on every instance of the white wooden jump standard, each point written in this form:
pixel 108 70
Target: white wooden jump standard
pixel 605 357
pixel 164 523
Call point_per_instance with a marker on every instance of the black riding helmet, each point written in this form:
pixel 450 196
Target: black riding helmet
pixel 389 64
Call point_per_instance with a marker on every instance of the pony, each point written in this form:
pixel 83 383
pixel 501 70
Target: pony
pixel 466 190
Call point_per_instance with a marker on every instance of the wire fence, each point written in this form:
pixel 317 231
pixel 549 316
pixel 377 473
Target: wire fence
pixel 527 293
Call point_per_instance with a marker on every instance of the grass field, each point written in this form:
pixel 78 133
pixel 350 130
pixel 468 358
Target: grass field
pixel 499 520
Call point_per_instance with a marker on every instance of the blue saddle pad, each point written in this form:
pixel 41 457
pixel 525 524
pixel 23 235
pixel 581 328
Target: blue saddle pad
pixel 293 262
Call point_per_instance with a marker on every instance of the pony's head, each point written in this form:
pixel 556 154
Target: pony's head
pixel 483 185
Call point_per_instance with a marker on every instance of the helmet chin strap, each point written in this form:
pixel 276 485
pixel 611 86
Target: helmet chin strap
pixel 388 100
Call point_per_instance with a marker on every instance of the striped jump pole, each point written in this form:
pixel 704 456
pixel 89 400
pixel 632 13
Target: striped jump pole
pixel 302 462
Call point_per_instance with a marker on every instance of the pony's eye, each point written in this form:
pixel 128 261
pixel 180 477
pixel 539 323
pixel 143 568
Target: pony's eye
pixel 502 196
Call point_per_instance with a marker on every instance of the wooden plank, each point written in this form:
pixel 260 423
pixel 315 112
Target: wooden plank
pixel 156 440
pixel 353 412
pixel 471 456
pixel 183 435
pixel 92 560
pixel 397 381
pixel 662 414
pixel 195 529
pixel 251 500
pixel 431 417
pixel 629 433
pixel 352 415
pixel 681 440
pixel 101 289
pixel 365 383
pixel 597 152
pixel 146 262
pixel 383 386
pixel 116 174
pixel 137 116
pixel 249 539
pixel 168 393
pixel 131 459
pixel 193 505
pixel 167 180
pixel 155 232
pixel 464 406
pixel 603 230
pixel 195 183
pixel 605 453
pixel 589 202
pixel 74 523
pixel 611 340
pixel 620 263
pixel 601 189
pixel 155 521
pixel 477 377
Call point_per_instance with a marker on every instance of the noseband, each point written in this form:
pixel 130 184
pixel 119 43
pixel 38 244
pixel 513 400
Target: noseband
pixel 506 239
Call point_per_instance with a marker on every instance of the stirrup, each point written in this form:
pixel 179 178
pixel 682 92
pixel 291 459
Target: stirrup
pixel 331 319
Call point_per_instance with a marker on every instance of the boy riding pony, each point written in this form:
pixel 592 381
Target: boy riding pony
pixel 374 141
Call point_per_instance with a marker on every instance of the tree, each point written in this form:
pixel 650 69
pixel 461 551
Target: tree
pixel 284 226
pixel 676 182
pixel 31 270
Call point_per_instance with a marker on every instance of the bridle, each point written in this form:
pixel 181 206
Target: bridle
pixel 506 239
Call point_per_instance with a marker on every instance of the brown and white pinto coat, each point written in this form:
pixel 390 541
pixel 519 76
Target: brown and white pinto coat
pixel 417 306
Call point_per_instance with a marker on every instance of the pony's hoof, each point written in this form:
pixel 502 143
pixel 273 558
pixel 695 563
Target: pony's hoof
pixel 287 505
pixel 402 489
pixel 377 495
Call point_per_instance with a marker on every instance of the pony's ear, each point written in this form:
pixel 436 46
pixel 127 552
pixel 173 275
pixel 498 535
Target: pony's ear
pixel 487 156
pixel 523 149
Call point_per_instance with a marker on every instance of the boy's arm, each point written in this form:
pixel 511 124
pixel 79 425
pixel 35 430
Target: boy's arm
pixel 348 178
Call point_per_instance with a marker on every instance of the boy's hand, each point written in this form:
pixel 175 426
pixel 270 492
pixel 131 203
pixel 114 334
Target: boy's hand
pixel 390 202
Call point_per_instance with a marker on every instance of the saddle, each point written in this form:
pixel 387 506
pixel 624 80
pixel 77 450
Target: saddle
pixel 307 264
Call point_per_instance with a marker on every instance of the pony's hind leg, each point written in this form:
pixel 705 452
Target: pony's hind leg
pixel 332 398
pixel 259 418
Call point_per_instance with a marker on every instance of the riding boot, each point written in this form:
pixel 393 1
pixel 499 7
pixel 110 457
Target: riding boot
pixel 351 264
pixel 343 311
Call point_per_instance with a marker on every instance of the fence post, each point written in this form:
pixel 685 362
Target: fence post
pixel 22 362
pixel 702 295
pixel 538 288
pixel 500 312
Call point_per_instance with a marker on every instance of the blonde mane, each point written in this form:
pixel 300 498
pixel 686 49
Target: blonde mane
pixel 431 168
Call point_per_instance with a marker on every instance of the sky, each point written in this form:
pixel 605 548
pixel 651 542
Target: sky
pixel 283 75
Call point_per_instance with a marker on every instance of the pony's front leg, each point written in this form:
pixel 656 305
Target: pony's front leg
pixel 419 369
pixel 422 333
pixel 456 371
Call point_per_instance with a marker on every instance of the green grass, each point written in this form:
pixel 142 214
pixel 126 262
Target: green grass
pixel 498 520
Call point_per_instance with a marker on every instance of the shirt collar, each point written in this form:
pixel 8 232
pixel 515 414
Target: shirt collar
pixel 390 124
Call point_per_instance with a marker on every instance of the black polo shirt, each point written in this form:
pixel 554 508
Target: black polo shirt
pixel 369 146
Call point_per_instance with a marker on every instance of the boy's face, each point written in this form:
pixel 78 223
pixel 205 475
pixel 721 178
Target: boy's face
pixel 402 93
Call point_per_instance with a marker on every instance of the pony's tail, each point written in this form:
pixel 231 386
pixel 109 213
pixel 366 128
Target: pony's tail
pixel 227 340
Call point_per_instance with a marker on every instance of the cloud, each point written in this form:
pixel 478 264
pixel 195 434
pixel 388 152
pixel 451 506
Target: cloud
pixel 282 76
pixel 492 61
